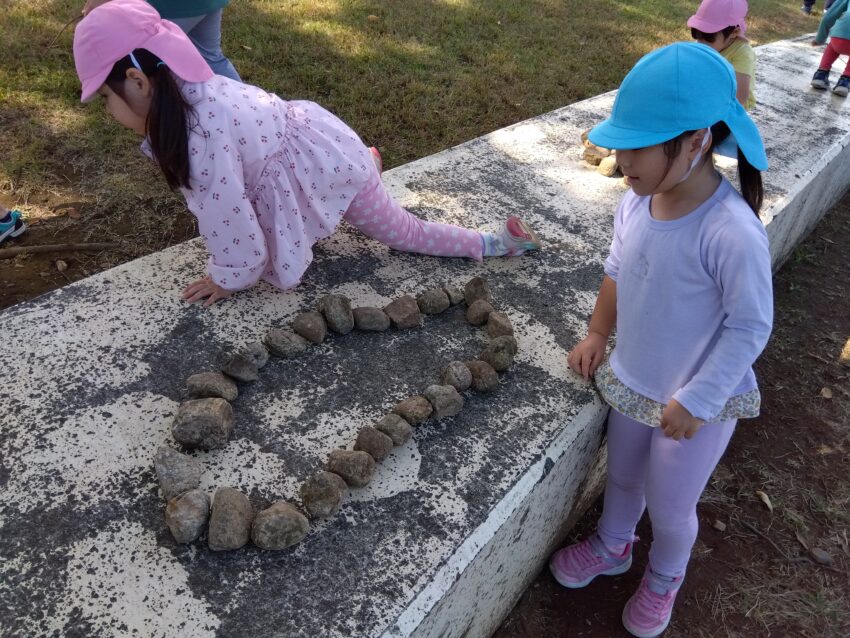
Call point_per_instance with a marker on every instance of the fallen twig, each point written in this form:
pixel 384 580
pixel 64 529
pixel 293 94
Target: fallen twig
pixel 6 253
pixel 67 24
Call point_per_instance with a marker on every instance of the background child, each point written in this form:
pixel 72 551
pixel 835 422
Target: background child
pixel 11 224
pixel 836 25
pixel 266 178
pixel 721 24
pixel 688 284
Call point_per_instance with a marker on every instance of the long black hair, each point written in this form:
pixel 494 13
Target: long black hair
pixel 170 117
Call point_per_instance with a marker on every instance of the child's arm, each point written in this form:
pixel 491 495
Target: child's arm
pixel 589 353
pixel 829 19
pixel 743 93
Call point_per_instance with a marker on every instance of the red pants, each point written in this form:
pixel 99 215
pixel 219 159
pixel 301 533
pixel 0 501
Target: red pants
pixel 835 47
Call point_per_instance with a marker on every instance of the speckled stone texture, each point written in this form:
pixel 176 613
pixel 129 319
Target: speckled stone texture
pixel 257 353
pixel 414 410
pixel 322 494
pixel 404 312
pixel 206 385
pixel 433 302
pixel 187 514
pixel 354 466
pixel 311 326
pixel 241 368
pixel 203 423
pixel 499 325
pixel 285 343
pixel 478 312
pixel 445 399
pixel 375 443
pixel 457 375
pixel 279 526
pixel 475 289
pixel 176 472
pixel 337 312
pixel 499 354
pixel 484 377
pixel 395 427
pixel 371 319
pixel 231 516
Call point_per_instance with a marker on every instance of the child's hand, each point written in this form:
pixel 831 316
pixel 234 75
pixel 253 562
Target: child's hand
pixel 205 287
pixel 815 43
pixel 588 354
pixel 677 422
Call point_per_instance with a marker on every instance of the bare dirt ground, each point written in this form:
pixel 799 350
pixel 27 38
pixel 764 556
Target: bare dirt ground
pixel 755 571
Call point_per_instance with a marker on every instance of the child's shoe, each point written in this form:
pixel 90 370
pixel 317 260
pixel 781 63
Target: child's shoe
pixel 842 87
pixel 820 80
pixel 806 10
pixel 647 613
pixel 11 225
pixel 515 238
pixel 576 565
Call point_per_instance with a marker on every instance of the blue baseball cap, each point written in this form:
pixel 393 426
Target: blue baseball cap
pixel 684 86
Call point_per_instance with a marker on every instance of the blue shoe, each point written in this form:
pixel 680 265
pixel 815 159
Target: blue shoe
pixel 806 10
pixel 12 227
pixel 842 87
pixel 821 79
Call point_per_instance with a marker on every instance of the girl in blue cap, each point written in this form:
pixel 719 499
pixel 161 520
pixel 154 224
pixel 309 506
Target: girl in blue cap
pixel 688 285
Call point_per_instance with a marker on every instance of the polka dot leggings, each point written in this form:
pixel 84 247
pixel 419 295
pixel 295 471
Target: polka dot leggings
pixel 374 213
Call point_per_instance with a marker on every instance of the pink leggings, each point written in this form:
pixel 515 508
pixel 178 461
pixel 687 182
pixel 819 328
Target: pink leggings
pixel 379 216
pixel 835 47
pixel 649 470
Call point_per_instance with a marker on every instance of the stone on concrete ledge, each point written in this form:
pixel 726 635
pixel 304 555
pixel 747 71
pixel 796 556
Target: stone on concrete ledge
pixel 177 473
pixel 404 312
pixel 203 423
pixel 205 385
pixel 454 294
pixel 445 399
pixel 285 343
pixel 241 368
pixel 499 354
pixel 414 409
pixel 187 515
pixel 310 325
pixel 377 444
pixel 475 289
pixel 279 526
pixel 498 324
pixel 608 166
pixel 457 375
pixel 367 318
pixel 337 311
pixel 322 494
pixel 395 427
pixel 257 353
pixel 354 466
pixel 478 312
pixel 508 340
pixel 593 154
pixel 433 302
pixel 484 377
pixel 230 520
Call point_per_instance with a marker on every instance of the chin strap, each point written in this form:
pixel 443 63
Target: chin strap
pixel 706 141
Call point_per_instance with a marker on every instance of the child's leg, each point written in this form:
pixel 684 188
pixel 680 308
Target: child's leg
pixel 678 473
pixel 628 458
pixel 379 216
pixel 830 55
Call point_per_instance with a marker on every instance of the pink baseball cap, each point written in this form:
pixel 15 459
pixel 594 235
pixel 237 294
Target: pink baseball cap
pixel 715 15
pixel 116 28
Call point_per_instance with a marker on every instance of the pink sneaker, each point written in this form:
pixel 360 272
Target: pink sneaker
pixel 647 613
pixel 576 565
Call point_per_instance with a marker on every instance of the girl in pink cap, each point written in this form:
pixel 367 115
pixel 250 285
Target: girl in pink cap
pixel 266 178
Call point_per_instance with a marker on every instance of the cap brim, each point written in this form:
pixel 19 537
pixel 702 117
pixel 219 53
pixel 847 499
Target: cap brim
pixel 91 85
pixel 172 47
pixel 748 137
pixel 608 135
pixel 696 22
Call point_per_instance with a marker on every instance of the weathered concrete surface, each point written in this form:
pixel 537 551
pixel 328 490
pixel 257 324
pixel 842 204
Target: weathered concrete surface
pixel 457 520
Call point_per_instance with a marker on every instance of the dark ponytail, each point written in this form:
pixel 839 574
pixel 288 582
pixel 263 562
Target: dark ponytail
pixel 170 118
pixel 752 187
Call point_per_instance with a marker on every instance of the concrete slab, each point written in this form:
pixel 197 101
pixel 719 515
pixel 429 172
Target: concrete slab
pixel 458 520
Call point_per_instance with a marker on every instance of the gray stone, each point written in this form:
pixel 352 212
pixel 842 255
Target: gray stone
pixel 279 526
pixel 404 312
pixel 457 375
pixel 509 341
pixel 337 311
pixel 433 302
pixel 593 154
pixel 310 325
pixel 230 520
pixel 241 368
pixel 187 515
pixel 499 325
pixel 205 385
pixel 285 343
pixel 414 410
pixel 257 353
pixel 177 473
pixel 608 166
pixel 484 377
pixel 454 294
pixel 366 318
pixel 395 427
pixel 377 444
pixel 475 289
pixel 478 312
pixel 354 466
pixel 445 399
pixel 203 423
pixel 322 494
pixel 500 353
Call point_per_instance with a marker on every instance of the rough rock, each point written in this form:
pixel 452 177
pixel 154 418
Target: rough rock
pixel 377 444
pixel 414 410
pixel 395 427
pixel 203 423
pixel 475 289
pixel 279 526
pixel 404 312
pixel 454 294
pixel 241 368
pixel 484 377
pixel 499 354
pixel 354 466
pixel 205 385
pixel 445 399
pixel 509 340
pixel 311 326
pixel 177 473
pixel 230 520
pixel 187 515
pixel 608 166
pixel 433 302
pixel 322 494
pixel 257 353
pixel 285 343
pixel 457 375
pixel 593 154
pixel 337 312
pixel 478 312
pixel 375 319
pixel 499 325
